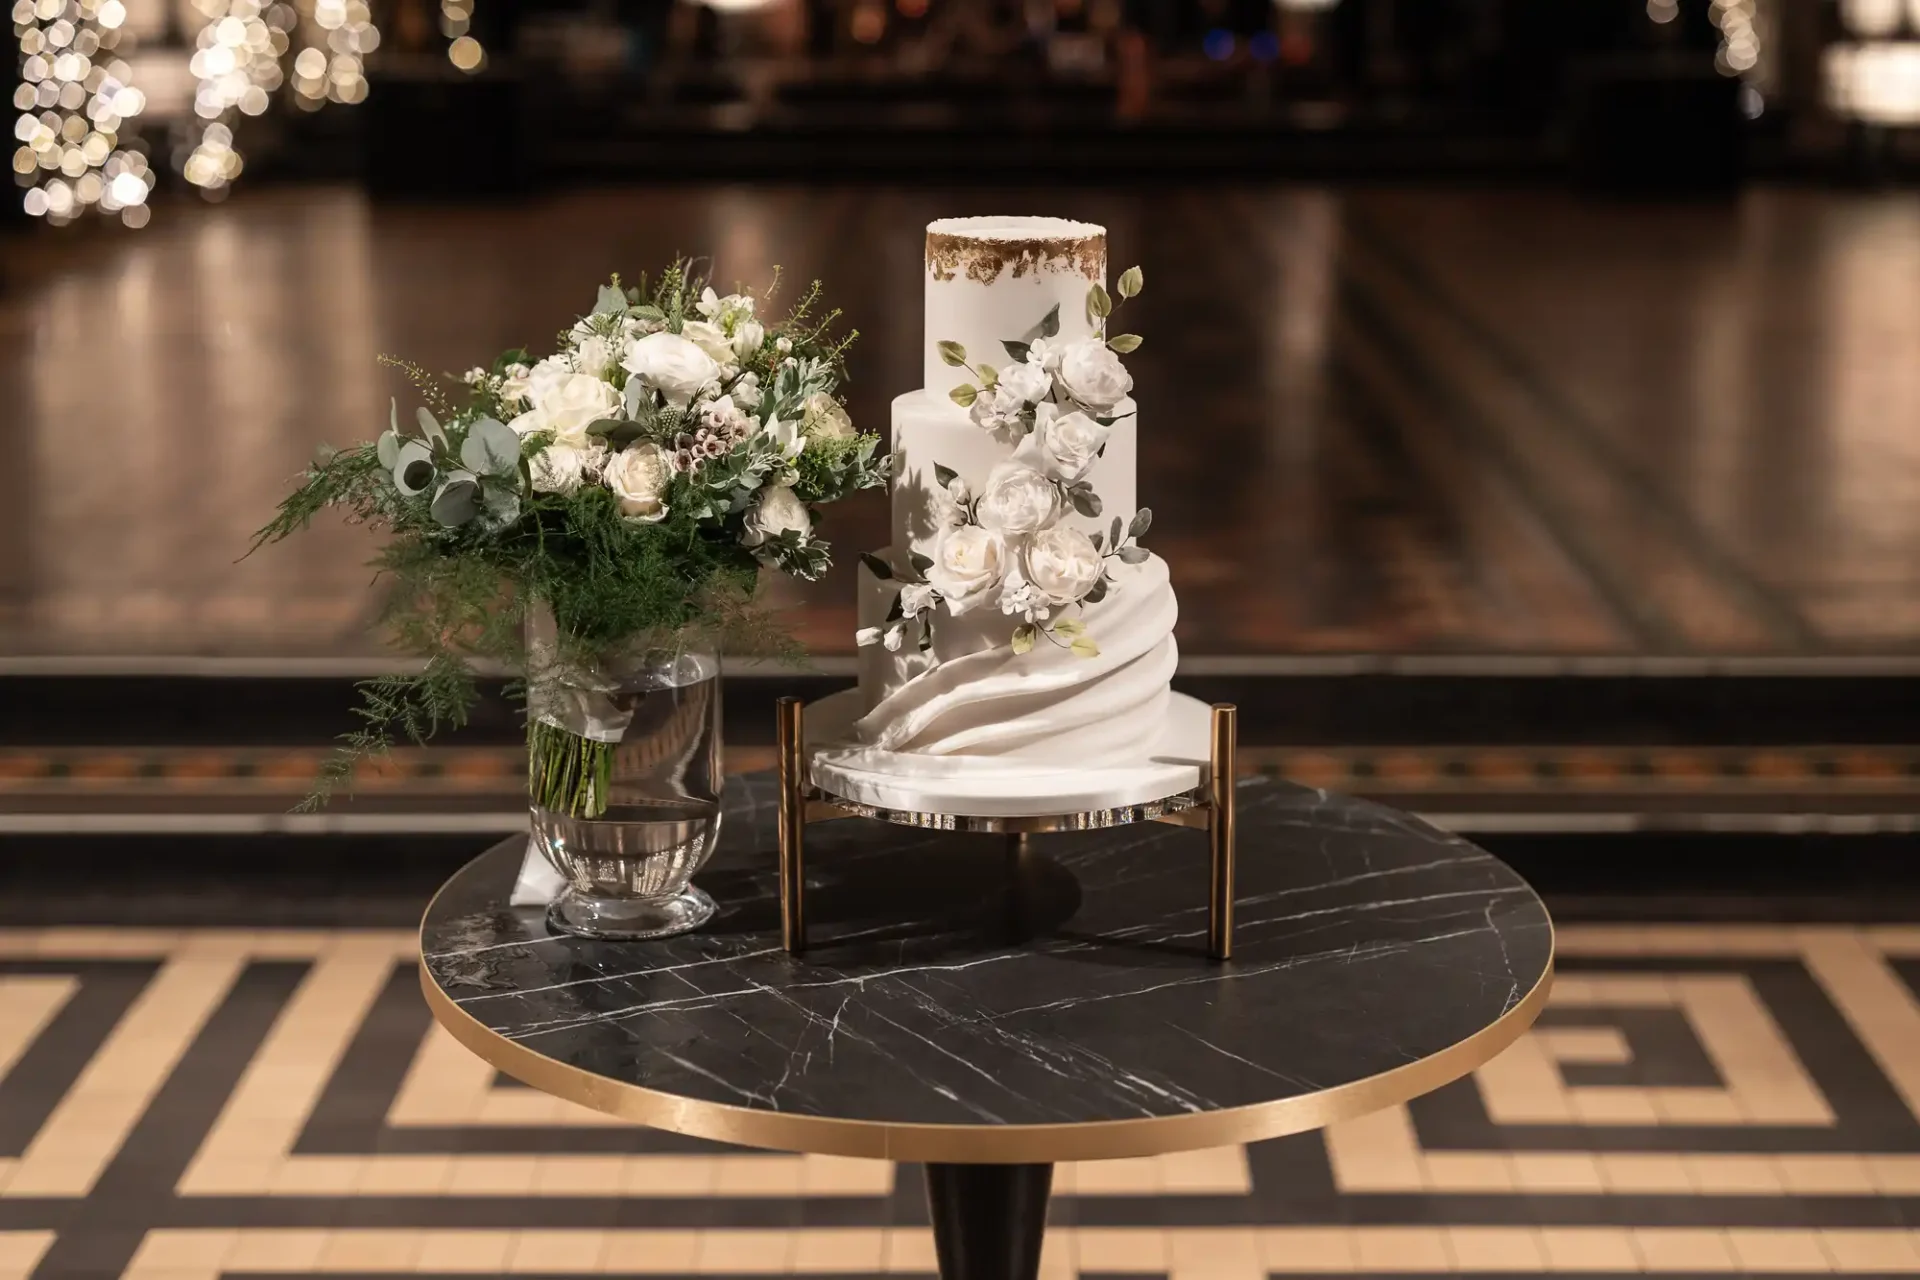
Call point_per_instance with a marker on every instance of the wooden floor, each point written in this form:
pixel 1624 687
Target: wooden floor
pixel 1396 422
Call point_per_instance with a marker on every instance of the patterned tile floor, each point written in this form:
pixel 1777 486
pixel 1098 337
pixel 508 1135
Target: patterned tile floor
pixel 1698 1100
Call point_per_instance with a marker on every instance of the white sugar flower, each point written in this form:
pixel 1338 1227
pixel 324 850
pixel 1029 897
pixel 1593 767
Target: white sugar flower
pixel 565 403
pixel 866 636
pixel 1028 382
pixel 1093 375
pixel 1017 499
pixel 916 596
pixel 638 476
pixel 779 510
pixel 1021 599
pixel 672 365
pixel 1063 563
pixel 968 563
pixel 1066 446
pixel 1045 352
pixel 997 409
pixel 895 637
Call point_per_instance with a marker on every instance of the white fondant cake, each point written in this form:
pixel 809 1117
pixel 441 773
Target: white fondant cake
pixel 957 720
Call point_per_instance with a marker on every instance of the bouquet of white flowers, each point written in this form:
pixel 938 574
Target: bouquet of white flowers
pixel 632 484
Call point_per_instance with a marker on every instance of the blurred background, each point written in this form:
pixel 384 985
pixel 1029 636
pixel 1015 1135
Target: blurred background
pixel 1531 411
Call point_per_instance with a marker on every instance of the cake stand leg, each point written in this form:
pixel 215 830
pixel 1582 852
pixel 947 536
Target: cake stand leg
pixel 988 1219
pixel 1223 765
pixel 793 825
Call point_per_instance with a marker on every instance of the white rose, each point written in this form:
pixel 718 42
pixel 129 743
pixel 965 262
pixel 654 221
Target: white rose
pixel 1093 375
pixel 996 409
pixel 746 391
pixel 778 511
pixel 672 365
pixel 747 337
pixel 593 355
pixel 1017 499
pixel 1063 563
pixel 558 468
pixel 823 418
pixel 968 563
pixel 710 338
pixel 1028 382
pixel 1067 446
pixel 638 476
pixel 566 404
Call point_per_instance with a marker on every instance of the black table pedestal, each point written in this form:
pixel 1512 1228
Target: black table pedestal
pixel 988 1219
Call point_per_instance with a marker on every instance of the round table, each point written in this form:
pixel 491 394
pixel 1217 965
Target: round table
pixel 991 1011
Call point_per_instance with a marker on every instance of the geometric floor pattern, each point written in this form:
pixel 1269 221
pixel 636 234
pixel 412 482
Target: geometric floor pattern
pixel 201 1103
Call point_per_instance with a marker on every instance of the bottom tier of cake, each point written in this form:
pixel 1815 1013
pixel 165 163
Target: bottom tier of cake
pixel 1168 760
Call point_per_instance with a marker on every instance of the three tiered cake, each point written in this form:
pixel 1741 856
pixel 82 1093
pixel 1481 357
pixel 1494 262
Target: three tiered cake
pixel 1017 639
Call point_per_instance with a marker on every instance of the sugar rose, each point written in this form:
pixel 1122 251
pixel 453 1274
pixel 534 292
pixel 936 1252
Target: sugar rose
pixel 1063 563
pixel 968 563
pixel 1026 381
pixel 1093 375
pixel 1067 446
pixel 1017 499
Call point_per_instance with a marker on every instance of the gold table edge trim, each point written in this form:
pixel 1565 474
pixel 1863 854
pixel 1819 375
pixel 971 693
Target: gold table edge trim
pixel 981 1143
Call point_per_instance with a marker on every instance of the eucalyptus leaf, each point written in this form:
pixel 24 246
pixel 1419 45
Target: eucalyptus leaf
pixel 1050 323
pixel 1023 638
pixel 1113 536
pixel 1099 591
pixel 1125 343
pixel 1099 305
pixel 1130 282
pixel 634 398
pixel 1018 350
pixel 491 448
pixel 876 566
pixel 393 416
pixel 388 450
pixel 964 395
pixel 413 468
pixel 1084 647
pixel 988 375
pixel 1085 501
pixel 610 302
pixel 952 353
pixel 457 500
pixel 1133 555
pixel 1069 627
pixel 920 563
pixel 430 427
pixel 1097 539
pixel 1142 521
pixel 897 612
pixel 944 475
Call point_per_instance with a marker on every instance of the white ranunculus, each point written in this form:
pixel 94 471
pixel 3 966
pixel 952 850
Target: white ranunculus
pixel 638 476
pixel 1067 446
pixel 747 337
pixel 1027 381
pixel 1017 499
pixel 1093 375
pixel 513 387
pixel 779 510
pixel 996 409
pixel 823 418
pixel 558 468
pixel 1063 563
pixel 593 355
pixel 566 404
pixel 710 338
pixel 968 563
pixel 916 596
pixel 674 366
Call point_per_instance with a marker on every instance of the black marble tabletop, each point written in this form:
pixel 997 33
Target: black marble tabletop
pixel 957 1004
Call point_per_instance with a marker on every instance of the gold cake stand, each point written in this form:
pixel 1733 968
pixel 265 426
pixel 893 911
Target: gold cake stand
pixel 1208 807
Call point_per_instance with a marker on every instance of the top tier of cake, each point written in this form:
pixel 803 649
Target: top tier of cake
pixel 994 279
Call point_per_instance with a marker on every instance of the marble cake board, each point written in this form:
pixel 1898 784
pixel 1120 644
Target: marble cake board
pixel 1173 764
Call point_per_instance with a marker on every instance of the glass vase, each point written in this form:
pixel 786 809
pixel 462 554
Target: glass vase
pixel 624 779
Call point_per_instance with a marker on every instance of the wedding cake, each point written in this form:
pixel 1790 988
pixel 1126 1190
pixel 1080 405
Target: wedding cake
pixel 1016 637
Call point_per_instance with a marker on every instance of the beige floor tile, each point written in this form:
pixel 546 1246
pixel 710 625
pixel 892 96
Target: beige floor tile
pixel 20 1252
pixel 1778 1249
pixel 1402 1249
pixel 910 1249
pixel 370 1249
pixel 1496 1249
pixel 1108 1177
pixel 757 1176
pixel 844 1176
pixel 1684 1249
pixel 1589 1249
pixel 1895 1175
pixel 858 1251
pixel 650 1252
pixel 492 1176
pixel 1622 1106
pixel 176 1249
pixel 1307 1249
pixel 670 1175
pixel 1209 1253
pixel 1733 1174
pixel 1217 1171
pixel 579 1175
pixel 1547 1172
pixel 317 1176
pixel 1122 1249
pixel 559 1251
pixel 404 1175
pixel 1696 1106
pixel 1469 1171
pixel 1651 1173
pixel 1888 1251
pixel 755 1252
pixel 482 1252
pixel 278 1249
pixel 1824 1173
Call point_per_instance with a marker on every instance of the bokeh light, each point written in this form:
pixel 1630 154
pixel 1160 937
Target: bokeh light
pixel 75 101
